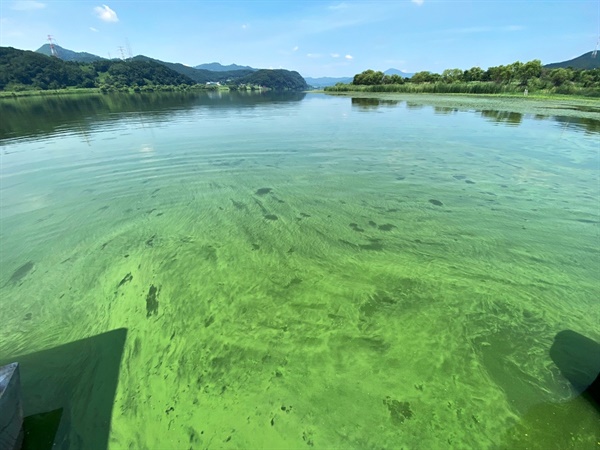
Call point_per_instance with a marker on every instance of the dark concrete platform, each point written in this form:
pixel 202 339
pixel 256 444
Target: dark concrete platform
pixel 11 408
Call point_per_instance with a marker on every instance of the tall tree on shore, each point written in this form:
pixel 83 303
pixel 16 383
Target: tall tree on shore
pixel 368 77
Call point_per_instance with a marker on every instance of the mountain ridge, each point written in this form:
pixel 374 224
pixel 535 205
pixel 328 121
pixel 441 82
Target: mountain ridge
pixel 392 71
pixel 586 61
pixel 230 74
pixel 218 67
pixel 69 55
pixel 219 73
pixel 23 70
pixel 207 71
pixel 319 82
pixel 279 79
pixel 199 75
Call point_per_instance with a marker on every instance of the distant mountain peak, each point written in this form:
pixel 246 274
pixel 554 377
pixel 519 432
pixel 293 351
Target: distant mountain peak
pixel 402 73
pixel 319 82
pixel 68 55
pixel 218 67
pixel 586 61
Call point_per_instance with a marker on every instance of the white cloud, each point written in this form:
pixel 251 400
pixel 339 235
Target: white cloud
pixel 106 14
pixel 313 55
pixel 348 57
pixel 295 49
pixel 335 55
pixel 95 30
pixel 245 26
pixel 27 5
pixel 418 2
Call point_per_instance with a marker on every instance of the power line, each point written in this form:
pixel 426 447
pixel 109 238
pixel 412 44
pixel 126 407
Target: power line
pixel 53 51
pixel 595 52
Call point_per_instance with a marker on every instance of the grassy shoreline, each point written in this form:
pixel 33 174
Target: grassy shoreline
pixel 79 91
pixel 475 87
pixel 40 93
pixel 535 95
pixel 100 91
pixel 357 92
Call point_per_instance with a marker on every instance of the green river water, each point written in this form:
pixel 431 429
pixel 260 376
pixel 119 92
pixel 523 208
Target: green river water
pixel 298 271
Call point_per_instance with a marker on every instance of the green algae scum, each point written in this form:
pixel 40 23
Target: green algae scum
pixel 298 271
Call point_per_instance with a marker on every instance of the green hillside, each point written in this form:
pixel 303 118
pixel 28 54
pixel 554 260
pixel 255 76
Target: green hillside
pixel 68 55
pixel 586 61
pixel 23 70
pixel 278 79
pixel 200 75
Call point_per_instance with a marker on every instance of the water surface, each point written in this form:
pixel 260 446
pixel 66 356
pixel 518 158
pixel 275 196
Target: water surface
pixel 299 271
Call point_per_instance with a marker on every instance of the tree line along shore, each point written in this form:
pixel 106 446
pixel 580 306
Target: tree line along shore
pixel 516 78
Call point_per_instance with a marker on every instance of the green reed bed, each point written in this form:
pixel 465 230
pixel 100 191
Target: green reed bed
pixel 485 88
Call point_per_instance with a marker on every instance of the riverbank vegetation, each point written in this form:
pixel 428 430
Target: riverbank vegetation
pixel 516 78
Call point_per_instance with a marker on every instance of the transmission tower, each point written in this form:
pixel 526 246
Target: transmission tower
pixel 122 50
pixel 53 51
pixel 595 52
pixel 129 52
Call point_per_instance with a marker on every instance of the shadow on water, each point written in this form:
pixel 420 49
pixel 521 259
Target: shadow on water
pixel 444 110
pixel 574 423
pixel 503 117
pixel 581 108
pixel 578 359
pixel 369 104
pixel 38 116
pixel 68 392
pixel 589 126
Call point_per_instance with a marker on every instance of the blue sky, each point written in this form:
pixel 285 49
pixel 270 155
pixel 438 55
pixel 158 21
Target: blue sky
pixel 316 38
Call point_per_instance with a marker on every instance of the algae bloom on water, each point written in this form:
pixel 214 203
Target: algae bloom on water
pixel 301 271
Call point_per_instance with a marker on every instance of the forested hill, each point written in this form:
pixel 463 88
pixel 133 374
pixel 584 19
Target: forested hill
pixel 22 70
pixel 68 55
pixel 278 79
pixel 25 70
pixel 199 75
pixel 586 61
